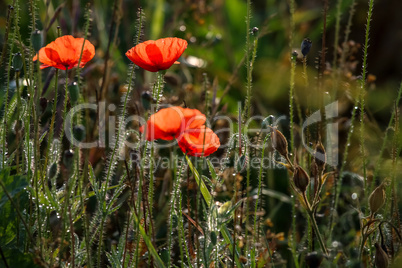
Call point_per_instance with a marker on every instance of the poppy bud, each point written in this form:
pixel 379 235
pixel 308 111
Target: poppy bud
pixel 381 258
pixel 52 171
pixel 214 238
pixel 68 158
pixel 164 256
pixel 79 132
pixel 36 40
pixel 279 142
pixel 305 46
pixel 175 221
pixel 320 156
pixel 74 92
pixel 377 199
pixel 17 62
pixel 301 179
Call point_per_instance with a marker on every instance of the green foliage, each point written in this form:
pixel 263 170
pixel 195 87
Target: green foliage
pixel 115 206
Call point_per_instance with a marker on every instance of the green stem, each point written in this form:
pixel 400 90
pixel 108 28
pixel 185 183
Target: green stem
pixel 291 100
pixel 64 112
pixel 260 177
pixel 310 213
pixel 362 97
pixel 317 232
pixel 52 121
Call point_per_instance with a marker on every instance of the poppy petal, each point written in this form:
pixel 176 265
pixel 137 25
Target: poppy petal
pixel 200 141
pixel 65 52
pixel 168 123
pixel 157 55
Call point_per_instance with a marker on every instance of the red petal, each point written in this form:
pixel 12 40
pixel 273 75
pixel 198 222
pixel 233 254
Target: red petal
pixel 169 123
pixel 157 55
pixel 65 52
pixel 199 141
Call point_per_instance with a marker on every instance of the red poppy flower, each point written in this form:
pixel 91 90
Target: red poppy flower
pixel 157 55
pixel 200 141
pixel 64 52
pixel 168 123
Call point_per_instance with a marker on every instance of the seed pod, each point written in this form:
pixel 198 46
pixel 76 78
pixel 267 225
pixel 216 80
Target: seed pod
pixel 320 156
pixel 74 92
pixel 381 258
pixel 377 199
pixel 36 40
pixel 52 171
pixel 301 179
pixel 305 46
pixel 17 62
pixel 79 132
pixel 279 142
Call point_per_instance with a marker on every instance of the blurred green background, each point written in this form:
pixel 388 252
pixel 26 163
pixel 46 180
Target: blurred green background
pixel 216 32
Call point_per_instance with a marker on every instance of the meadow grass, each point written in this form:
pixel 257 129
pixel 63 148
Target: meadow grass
pixel 292 184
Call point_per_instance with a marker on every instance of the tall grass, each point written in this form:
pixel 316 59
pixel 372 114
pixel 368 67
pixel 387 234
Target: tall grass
pixel 62 205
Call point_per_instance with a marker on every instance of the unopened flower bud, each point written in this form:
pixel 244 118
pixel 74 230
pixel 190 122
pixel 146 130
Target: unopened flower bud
pixel 320 156
pixel 17 62
pixel 381 258
pixel 74 92
pixel 377 199
pixel 36 40
pixel 52 171
pixel 175 220
pixel 279 142
pixel 305 46
pixel 301 179
pixel 214 238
